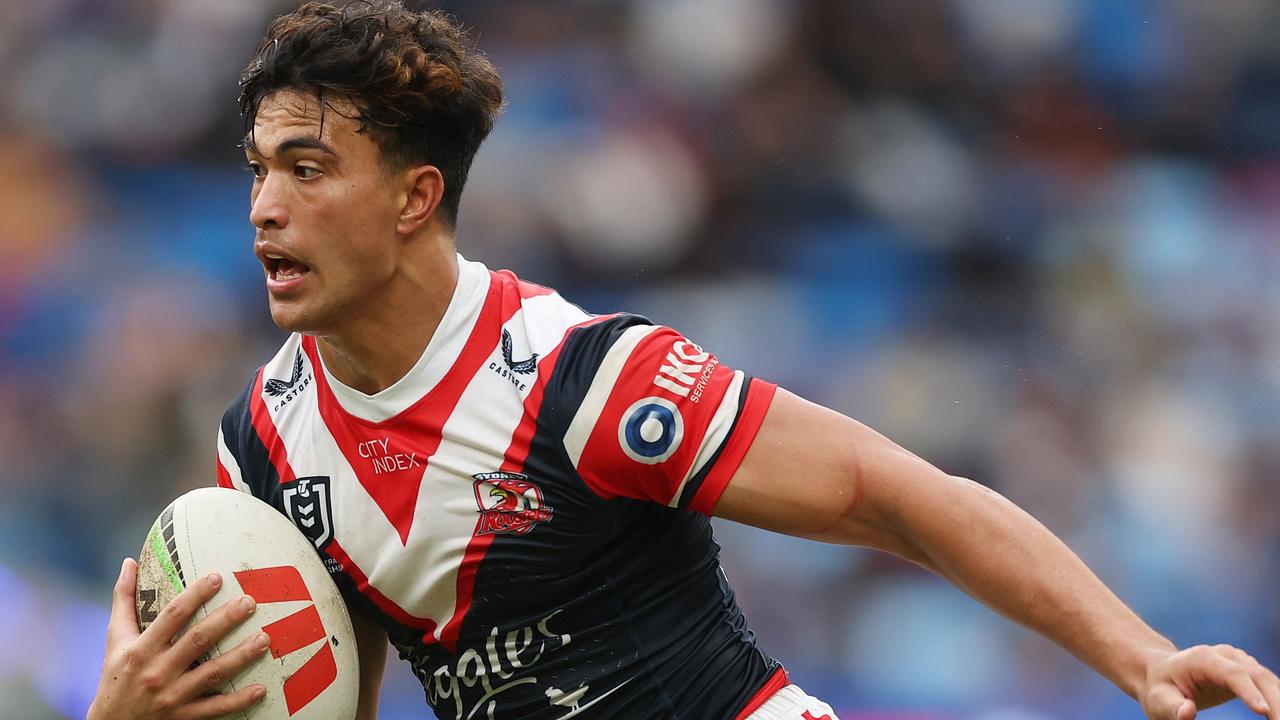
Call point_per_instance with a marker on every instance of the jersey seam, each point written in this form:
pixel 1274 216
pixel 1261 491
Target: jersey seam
pixel 655 678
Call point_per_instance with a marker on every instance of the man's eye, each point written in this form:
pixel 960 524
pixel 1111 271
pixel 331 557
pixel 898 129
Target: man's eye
pixel 256 168
pixel 305 172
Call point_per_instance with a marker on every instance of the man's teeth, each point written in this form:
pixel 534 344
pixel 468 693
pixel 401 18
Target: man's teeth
pixel 274 257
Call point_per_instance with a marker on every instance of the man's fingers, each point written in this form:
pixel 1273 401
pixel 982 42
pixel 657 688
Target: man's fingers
pixel 1266 680
pixel 1228 671
pixel 216 706
pixel 123 624
pixel 202 637
pixel 175 615
pixel 214 674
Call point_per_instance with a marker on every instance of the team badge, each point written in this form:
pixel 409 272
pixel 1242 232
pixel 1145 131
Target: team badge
pixel 307 503
pixel 651 430
pixel 509 504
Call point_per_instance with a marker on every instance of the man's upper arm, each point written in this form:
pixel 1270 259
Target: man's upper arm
pixel 812 472
pixel 644 413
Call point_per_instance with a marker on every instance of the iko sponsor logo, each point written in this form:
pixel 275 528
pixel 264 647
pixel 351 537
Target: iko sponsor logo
pixel 470 685
pixel 293 632
pixel 307 503
pixel 509 504
pixel 287 390
pixel 686 370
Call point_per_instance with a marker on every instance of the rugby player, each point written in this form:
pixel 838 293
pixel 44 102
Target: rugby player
pixel 516 493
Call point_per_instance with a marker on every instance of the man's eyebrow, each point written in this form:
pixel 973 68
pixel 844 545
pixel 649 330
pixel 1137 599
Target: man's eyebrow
pixel 302 142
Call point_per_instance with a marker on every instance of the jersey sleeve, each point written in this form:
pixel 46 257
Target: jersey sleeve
pixel 241 462
pixel 648 414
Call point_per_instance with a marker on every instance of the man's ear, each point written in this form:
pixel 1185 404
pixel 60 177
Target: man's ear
pixel 423 190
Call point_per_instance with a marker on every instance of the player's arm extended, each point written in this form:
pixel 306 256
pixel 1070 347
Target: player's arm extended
pixel 814 473
pixel 371 646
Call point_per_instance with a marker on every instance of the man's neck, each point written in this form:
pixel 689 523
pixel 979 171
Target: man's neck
pixel 381 345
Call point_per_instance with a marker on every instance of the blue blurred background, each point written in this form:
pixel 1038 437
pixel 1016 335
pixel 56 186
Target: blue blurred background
pixel 1035 241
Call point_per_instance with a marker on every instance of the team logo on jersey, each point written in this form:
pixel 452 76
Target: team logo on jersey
pixel 289 389
pixel 522 367
pixel 651 430
pixel 307 503
pixel 509 504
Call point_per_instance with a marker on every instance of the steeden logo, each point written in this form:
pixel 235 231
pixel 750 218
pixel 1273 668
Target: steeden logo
pixel 292 633
pixel 509 504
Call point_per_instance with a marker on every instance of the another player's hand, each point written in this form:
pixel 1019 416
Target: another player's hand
pixel 145 676
pixel 1181 683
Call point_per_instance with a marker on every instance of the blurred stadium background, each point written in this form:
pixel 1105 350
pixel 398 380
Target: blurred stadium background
pixel 1035 241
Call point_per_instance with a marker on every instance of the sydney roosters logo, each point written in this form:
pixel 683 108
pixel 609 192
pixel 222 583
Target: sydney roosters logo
pixel 509 504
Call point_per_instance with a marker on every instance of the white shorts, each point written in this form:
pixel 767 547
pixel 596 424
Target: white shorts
pixel 792 703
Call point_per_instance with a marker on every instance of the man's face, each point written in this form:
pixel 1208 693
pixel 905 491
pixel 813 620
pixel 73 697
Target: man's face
pixel 325 209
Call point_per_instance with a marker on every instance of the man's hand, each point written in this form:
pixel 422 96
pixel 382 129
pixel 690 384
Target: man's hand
pixel 146 677
pixel 1180 683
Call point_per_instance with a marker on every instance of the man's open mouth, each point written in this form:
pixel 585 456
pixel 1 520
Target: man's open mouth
pixel 283 269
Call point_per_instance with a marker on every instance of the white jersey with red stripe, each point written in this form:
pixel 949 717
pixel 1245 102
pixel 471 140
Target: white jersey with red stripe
pixel 525 511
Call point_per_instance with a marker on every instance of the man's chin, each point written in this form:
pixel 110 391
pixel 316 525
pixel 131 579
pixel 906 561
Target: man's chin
pixel 292 318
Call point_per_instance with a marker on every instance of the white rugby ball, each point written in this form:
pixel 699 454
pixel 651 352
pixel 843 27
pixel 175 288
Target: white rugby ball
pixel 311 670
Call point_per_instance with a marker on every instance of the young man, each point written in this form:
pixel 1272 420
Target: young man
pixel 515 492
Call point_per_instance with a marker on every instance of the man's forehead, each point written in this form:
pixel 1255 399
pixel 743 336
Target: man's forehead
pixel 294 112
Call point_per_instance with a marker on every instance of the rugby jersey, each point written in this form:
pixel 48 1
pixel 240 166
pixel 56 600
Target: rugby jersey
pixel 526 511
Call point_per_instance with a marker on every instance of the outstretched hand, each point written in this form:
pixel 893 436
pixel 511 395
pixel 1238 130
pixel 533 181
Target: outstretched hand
pixel 146 677
pixel 1184 682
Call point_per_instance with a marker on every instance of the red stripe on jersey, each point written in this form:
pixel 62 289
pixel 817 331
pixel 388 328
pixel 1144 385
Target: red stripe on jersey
pixel 266 429
pixel 776 682
pixel 605 467
pixel 416 431
pixel 384 603
pixel 224 477
pixel 759 397
pixel 513 461
pixel 526 289
pixel 523 435
pixel 310 680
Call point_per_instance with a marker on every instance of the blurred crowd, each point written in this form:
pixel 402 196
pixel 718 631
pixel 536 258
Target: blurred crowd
pixel 1034 241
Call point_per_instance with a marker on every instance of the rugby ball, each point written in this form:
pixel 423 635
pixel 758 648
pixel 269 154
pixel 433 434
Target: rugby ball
pixel 311 670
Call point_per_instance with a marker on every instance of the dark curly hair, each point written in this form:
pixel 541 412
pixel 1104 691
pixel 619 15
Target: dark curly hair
pixel 424 94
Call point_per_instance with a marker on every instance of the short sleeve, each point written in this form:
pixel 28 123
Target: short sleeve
pixel 240 459
pixel 655 416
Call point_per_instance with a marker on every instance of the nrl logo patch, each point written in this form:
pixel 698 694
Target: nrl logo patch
pixel 307 503
pixel 509 504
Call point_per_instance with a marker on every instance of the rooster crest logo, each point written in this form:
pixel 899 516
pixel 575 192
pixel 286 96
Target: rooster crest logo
pixel 523 367
pixel 509 504
pixel 276 388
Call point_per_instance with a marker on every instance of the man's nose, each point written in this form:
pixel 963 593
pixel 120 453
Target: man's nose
pixel 268 207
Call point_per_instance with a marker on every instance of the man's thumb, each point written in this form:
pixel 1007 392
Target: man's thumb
pixel 1166 702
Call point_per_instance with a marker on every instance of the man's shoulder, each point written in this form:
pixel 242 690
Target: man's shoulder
pixel 274 378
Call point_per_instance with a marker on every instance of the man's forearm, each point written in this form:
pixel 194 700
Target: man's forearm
pixel 996 552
